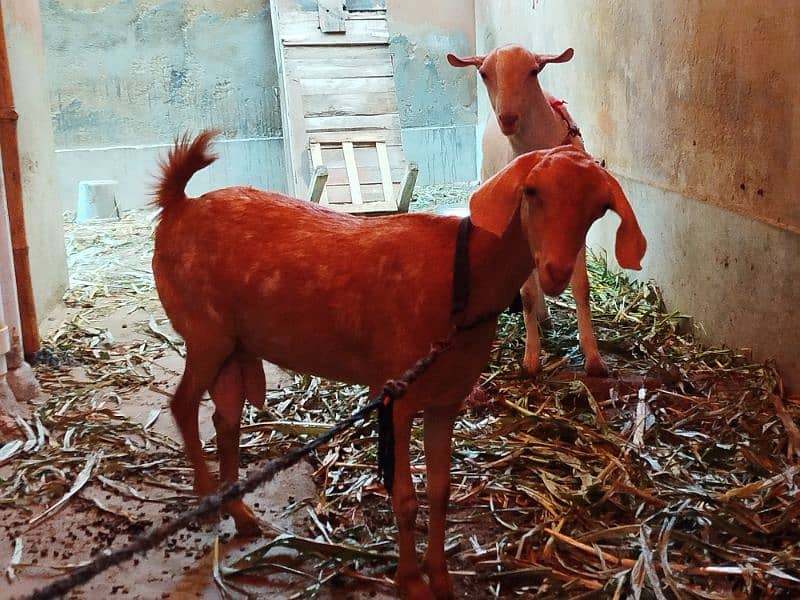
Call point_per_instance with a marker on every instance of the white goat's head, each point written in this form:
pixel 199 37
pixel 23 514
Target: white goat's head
pixel 510 74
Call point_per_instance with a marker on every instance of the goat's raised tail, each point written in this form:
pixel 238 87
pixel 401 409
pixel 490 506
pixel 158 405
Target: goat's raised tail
pixel 183 160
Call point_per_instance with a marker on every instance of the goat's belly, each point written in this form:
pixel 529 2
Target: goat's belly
pixel 327 347
pixel 310 354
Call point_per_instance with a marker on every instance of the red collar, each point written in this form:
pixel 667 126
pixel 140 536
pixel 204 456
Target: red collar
pixel 572 128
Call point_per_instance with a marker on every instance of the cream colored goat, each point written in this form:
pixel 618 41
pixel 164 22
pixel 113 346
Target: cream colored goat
pixel 246 275
pixel 527 118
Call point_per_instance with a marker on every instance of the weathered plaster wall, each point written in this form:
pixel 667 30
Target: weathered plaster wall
pixel 693 105
pixel 437 104
pixel 128 75
pixel 43 220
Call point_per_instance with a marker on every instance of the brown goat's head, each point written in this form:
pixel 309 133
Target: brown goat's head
pixel 558 193
pixel 510 74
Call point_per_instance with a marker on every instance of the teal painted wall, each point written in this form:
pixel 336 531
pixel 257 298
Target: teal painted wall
pixel 127 76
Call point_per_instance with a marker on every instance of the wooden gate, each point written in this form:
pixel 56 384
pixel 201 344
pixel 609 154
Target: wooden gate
pixel 339 108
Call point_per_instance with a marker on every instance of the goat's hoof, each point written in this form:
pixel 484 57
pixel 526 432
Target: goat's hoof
pixel 248 529
pixel 531 366
pixel 441 585
pixel 439 579
pixel 247 525
pixel 443 593
pixel 596 367
pixel 414 588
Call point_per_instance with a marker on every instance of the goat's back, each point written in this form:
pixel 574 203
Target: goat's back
pixel 304 287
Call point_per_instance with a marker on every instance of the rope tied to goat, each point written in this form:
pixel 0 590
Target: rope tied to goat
pixel 393 389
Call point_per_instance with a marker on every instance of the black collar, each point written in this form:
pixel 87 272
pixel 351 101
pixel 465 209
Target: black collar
pixel 461 268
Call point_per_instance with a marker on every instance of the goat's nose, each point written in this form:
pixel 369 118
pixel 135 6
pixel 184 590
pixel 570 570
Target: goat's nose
pixel 508 120
pixel 558 274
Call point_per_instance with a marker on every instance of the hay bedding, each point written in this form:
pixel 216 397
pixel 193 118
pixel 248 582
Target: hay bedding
pixel 676 479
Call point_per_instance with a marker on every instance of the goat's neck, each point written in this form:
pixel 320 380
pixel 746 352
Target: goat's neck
pixel 540 127
pixel 498 268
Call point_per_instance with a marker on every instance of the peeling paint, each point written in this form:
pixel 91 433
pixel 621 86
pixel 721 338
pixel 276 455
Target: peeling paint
pixel 693 105
pixel 429 91
pixel 135 72
pixel 693 97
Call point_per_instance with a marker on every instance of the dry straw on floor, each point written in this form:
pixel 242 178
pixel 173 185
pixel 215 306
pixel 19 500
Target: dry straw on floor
pixel 679 478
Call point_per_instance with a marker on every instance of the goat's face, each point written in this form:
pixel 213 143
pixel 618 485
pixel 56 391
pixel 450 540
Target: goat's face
pixel 561 198
pixel 511 76
pixel 559 193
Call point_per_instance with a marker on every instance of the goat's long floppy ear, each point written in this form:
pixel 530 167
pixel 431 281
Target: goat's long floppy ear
pixel 565 56
pixel 631 244
pixel 466 61
pixel 492 206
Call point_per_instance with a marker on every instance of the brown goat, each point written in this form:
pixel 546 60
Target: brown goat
pixel 246 275
pixel 527 118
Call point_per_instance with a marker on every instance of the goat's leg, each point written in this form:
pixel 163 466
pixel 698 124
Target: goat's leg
pixel 255 385
pixel 594 364
pixel 404 503
pixel 202 365
pixel 542 312
pixel 228 393
pixel 438 434
pixel 530 290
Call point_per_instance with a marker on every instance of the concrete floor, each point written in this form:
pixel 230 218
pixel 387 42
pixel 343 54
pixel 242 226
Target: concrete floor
pixel 183 566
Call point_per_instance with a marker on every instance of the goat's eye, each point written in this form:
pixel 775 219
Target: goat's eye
pixel 482 74
pixel 534 72
pixel 529 191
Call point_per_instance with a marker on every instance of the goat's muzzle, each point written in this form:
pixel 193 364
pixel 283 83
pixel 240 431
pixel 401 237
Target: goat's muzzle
pixel 554 278
pixel 509 123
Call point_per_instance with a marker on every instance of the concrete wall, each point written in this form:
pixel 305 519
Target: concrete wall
pixel 692 104
pixel 43 217
pixel 126 76
pixel 437 103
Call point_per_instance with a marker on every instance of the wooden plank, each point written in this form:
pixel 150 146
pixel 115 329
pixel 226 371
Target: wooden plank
pixel 316 162
pixel 316 155
pixel 366 175
pixel 390 136
pixel 331 16
pixel 322 54
pixel 298 135
pixel 386 171
pixel 371 208
pixel 374 14
pixel 296 31
pixel 340 68
pixel 348 85
pixel 370 194
pixel 329 105
pixel 318 179
pixel 325 78
pixel 287 102
pixel 354 5
pixel 361 122
pixel 366 156
pixel 352 172
pixel 407 187
pixel 309 19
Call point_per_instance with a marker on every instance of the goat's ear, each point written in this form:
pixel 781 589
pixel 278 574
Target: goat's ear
pixel 565 56
pixel 467 61
pixel 631 244
pixel 493 205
